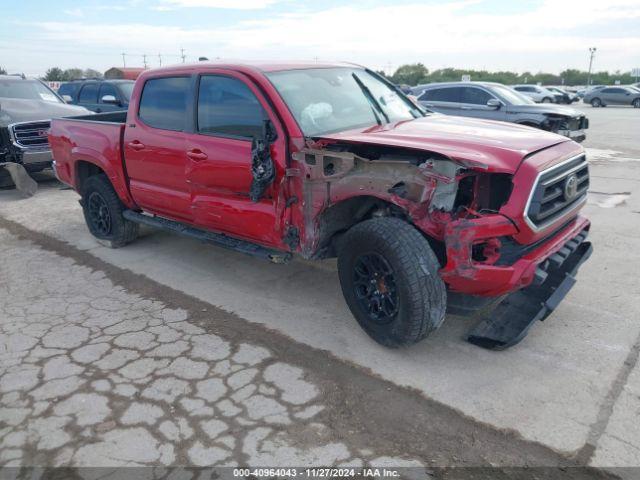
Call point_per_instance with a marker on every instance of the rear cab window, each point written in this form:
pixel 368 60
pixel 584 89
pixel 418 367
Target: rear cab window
pixel 163 103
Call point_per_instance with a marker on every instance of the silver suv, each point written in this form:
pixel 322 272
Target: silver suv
pixel 613 96
pixel 495 101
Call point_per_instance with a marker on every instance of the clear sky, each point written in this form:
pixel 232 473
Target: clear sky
pixel 534 35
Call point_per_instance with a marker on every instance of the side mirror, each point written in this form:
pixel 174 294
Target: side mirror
pixel 494 103
pixel 67 98
pixel 109 99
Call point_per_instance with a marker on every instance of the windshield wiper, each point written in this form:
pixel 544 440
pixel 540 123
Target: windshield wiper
pixel 372 100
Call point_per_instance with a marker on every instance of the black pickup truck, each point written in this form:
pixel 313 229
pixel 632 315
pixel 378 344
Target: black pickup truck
pixel 26 108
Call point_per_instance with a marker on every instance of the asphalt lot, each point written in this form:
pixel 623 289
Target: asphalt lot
pixel 107 354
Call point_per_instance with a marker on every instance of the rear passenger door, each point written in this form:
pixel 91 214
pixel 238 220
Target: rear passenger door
pixel 443 99
pixel 88 96
pixel 230 112
pixel 154 147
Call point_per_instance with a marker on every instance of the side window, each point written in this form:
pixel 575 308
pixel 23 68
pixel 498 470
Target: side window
pixel 226 106
pixel 89 93
pixel 449 94
pixel 107 89
pixel 475 96
pixel 164 102
pixel 66 89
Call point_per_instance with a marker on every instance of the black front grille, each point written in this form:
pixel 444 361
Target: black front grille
pixel 552 196
pixel 31 135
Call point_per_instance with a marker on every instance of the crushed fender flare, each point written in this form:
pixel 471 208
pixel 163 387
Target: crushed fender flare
pixel 26 185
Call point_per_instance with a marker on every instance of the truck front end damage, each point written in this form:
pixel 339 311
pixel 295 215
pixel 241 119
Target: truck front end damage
pixel 488 254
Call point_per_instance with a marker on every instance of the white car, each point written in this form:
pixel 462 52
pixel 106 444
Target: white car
pixel 537 94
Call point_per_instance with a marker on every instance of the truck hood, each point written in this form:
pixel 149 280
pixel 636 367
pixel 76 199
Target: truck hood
pixel 545 109
pixel 14 110
pixel 483 144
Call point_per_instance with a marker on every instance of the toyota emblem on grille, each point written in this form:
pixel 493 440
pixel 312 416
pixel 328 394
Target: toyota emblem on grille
pixel 571 187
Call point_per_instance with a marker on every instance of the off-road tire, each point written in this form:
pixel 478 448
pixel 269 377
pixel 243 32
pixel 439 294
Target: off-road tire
pixel 636 103
pixel 98 188
pixel 420 292
pixel 596 102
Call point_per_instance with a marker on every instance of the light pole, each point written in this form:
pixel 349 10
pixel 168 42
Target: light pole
pixel 592 52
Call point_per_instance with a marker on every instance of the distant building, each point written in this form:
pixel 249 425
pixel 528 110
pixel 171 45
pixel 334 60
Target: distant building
pixel 123 73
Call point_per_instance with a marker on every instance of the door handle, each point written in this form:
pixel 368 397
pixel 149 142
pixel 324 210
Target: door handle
pixel 196 155
pixel 136 145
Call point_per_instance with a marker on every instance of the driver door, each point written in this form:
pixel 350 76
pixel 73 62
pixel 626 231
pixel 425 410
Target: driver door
pixel 230 113
pixel 474 104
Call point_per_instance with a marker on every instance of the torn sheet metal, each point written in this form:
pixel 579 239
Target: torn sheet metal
pixel 262 167
pixel 26 185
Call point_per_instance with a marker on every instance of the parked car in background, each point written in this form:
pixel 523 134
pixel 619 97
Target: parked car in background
pixel 423 211
pixel 26 107
pixel 538 94
pixel 583 91
pixel 498 102
pixel 613 96
pixel 98 95
pixel 565 97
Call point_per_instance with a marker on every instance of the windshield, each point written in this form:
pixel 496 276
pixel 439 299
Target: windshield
pixel 325 100
pixel 511 96
pixel 126 89
pixel 28 90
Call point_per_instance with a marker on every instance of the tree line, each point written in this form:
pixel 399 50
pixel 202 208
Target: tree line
pixel 417 74
pixel 56 74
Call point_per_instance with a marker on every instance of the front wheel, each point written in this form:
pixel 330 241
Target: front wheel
pixel 103 213
pixel 389 278
pixel 596 102
pixel 546 100
pixel 636 103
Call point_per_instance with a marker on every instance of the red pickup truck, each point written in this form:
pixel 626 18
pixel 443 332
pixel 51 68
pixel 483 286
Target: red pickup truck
pixel 425 212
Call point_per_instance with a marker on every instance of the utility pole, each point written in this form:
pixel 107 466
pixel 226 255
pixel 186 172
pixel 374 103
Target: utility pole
pixel 160 59
pixel 144 60
pixel 592 52
pixel 182 54
pixel 124 63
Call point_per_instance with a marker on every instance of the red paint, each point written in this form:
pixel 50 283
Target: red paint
pixel 204 180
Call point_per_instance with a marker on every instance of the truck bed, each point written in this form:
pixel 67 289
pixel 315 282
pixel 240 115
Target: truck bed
pixel 94 139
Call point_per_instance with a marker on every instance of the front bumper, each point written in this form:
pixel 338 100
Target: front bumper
pixel 463 274
pixel 512 319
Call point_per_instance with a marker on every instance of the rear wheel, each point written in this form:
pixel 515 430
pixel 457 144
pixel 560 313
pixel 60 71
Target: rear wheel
pixel 546 100
pixel 636 103
pixel 389 278
pixel 596 102
pixel 103 213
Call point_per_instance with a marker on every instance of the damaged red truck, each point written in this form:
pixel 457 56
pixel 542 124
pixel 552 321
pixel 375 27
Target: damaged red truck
pixel 426 213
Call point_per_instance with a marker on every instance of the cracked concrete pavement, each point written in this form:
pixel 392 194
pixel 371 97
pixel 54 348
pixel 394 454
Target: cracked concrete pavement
pixel 101 367
pixel 568 393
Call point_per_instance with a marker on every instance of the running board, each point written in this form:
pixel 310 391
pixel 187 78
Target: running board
pixel 511 320
pixel 218 239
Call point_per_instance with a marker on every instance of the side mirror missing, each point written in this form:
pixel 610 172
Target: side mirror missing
pixel 494 103
pixel 262 168
pixel 109 99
